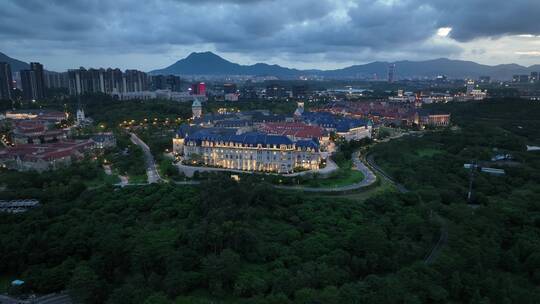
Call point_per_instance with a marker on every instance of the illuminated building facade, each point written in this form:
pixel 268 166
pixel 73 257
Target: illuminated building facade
pixel 249 152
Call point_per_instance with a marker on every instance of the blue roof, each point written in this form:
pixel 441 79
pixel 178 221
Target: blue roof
pixel 308 144
pixel 186 129
pixel 328 120
pixel 250 138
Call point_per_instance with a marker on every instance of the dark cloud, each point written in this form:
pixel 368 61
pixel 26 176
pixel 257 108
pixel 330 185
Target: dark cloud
pixel 488 18
pixel 291 29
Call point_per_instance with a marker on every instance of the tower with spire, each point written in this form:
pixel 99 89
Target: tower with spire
pixel 299 109
pixel 80 116
pixel 196 109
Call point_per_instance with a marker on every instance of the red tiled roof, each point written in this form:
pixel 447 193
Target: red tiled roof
pixel 45 151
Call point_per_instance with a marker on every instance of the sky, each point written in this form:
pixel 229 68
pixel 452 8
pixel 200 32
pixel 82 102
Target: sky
pixel 304 34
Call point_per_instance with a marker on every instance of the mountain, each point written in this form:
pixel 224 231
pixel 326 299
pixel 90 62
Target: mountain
pixel 16 65
pixel 208 63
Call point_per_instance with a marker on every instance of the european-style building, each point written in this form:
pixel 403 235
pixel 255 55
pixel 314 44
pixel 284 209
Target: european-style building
pixel 249 152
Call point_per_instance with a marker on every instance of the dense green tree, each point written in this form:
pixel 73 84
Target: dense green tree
pixel 85 285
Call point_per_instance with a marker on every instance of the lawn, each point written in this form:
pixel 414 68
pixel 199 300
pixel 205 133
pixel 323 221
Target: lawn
pixel 344 176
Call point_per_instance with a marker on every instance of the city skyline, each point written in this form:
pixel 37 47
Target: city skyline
pixel 326 34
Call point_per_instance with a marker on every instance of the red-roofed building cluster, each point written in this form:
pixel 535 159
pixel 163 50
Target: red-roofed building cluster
pixel 39 141
pixel 36 131
pixel 388 113
pixel 42 157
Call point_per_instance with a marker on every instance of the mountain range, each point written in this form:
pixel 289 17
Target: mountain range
pixel 210 64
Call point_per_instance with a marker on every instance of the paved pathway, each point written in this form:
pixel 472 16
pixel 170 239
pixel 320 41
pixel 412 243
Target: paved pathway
pixel 151 170
pixel 369 179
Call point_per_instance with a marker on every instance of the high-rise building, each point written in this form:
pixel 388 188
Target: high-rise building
pixel 6 81
pixel 106 81
pixel 391 72
pixel 29 85
pixel 77 81
pixel 56 80
pixel 33 82
pixel 96 80
pixel 40 79
pixel 115 81
pixel 135 81
pixel 198 88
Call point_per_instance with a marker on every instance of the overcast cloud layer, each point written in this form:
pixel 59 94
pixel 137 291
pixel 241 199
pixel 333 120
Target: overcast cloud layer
pixel 297 33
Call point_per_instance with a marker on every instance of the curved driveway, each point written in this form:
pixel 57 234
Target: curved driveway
pixel 369 179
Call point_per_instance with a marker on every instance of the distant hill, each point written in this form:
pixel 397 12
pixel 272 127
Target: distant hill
pixel 16 65
pixel 208 63
pixel 432 68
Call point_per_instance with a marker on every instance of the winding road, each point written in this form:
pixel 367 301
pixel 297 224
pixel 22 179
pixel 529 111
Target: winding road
pixel 151 170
